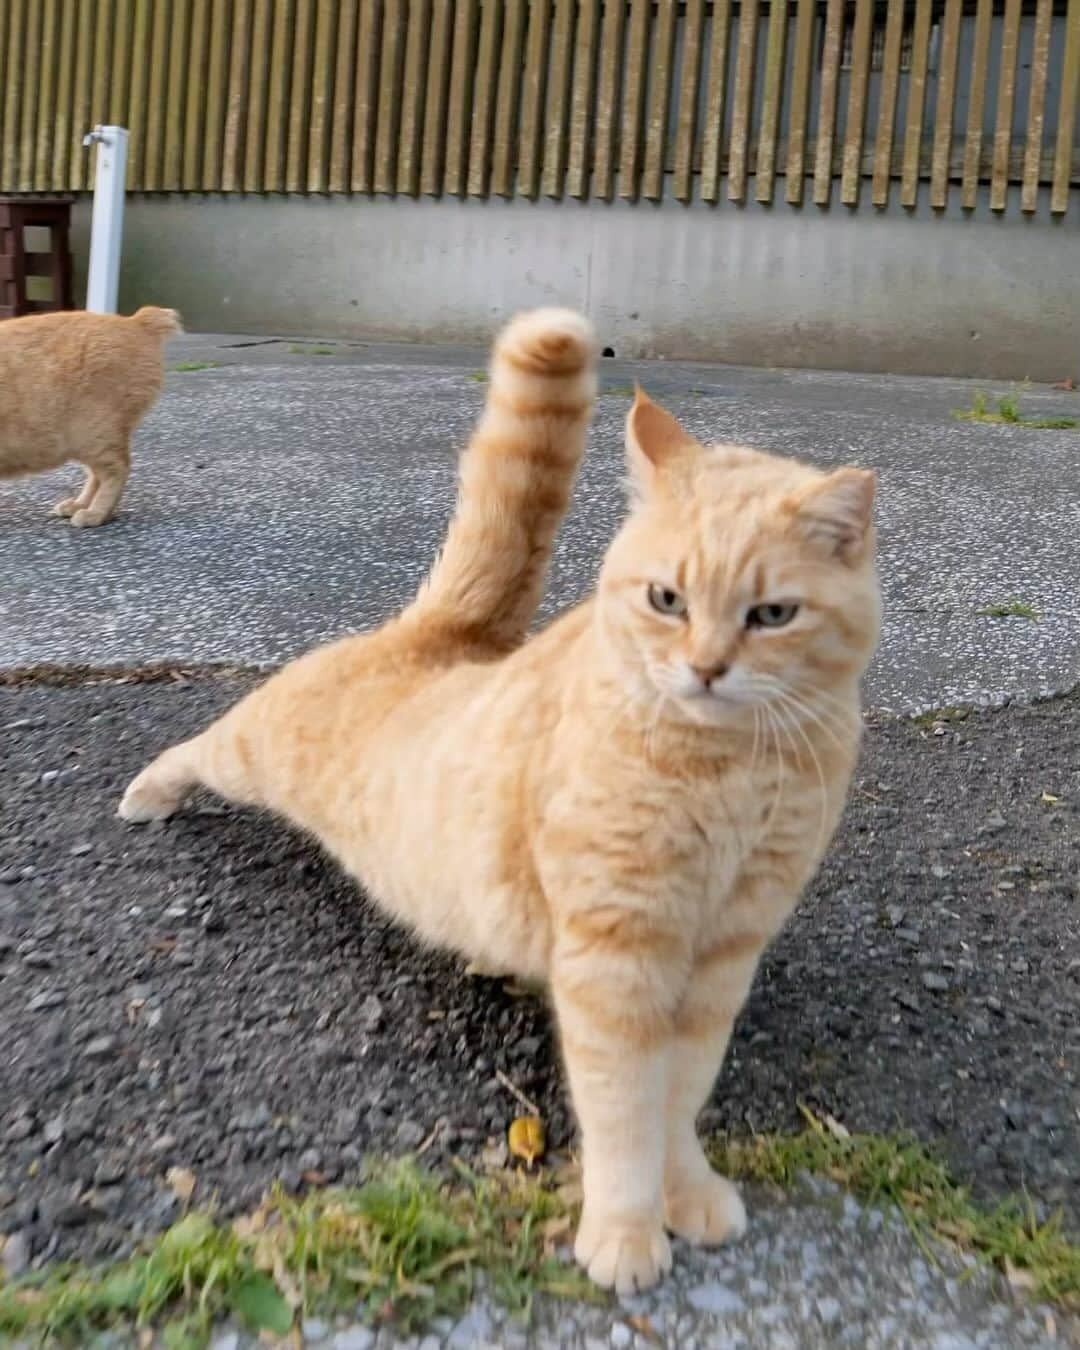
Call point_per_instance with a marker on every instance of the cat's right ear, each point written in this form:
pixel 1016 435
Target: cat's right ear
pixel 655 442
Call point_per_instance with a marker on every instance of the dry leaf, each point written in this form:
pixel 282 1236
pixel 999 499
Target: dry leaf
pixel 526 1138
pixel 1049 797
pixel 182 1181
pixel 247 1225
pixel 1019 1279
pixel 555 1229
pixel 642 1325
pixel 834 1127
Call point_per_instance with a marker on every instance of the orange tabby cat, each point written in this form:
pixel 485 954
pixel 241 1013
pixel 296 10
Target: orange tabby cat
pixel 628 804
pixel 75 385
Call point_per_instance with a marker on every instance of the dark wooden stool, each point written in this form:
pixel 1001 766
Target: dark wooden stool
pixel 16 264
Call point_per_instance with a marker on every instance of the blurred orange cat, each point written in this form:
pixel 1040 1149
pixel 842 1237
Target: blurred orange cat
pixel 628 804
pixel 74 386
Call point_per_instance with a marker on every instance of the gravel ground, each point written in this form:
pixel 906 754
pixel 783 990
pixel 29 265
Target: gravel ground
pixel 212 993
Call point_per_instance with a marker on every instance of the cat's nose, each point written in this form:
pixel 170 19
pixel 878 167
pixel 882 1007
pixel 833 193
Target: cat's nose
pixel 716 671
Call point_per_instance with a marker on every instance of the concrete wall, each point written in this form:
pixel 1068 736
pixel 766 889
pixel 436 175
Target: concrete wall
pixel 978 294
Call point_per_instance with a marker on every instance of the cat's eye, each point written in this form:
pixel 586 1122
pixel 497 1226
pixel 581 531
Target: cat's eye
pixel 771 616
pixel 666 601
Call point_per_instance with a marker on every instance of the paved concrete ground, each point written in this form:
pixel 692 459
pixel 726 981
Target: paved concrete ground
pixel 285 496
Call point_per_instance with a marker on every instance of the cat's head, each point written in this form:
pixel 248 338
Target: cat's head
pixel 739 578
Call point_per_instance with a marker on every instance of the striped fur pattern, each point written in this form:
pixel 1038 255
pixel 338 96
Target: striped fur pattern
pixel 74 386
pixel 626 805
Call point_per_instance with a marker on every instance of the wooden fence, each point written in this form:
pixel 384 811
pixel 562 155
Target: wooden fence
pixel 691 99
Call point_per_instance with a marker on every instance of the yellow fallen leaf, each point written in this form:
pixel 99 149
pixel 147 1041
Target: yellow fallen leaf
pixel 182 1182
pixel 1049 797
pixel 834 1127
pixel 526 1138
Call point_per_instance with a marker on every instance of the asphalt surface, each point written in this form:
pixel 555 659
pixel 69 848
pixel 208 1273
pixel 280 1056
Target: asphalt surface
pixel 283 497
pixel 213 994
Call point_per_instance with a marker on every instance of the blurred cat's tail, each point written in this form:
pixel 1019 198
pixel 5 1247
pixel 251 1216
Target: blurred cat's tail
pixel 515 481
pixel 162 323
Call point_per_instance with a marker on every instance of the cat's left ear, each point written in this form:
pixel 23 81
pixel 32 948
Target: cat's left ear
pixel 838 510
pixel 654 442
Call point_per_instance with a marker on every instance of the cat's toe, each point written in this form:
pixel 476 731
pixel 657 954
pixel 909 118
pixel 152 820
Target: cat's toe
pixel 84 518
pixel 143 802
pixel 626 1257
pixel 67 507
pixel 706 1212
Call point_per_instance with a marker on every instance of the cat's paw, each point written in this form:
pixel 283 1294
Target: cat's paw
pixel 146 800
pixel 85 517
pixel 67 507
pixel 625 1256
pixel 705 1211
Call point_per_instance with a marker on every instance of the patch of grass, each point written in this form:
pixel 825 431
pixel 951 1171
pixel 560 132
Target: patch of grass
pixel 1010 609
pixel 298 349
pixel 898 1172
pixel 408 1244
pixel 952 713
pixel 194 365
pixel 479 376
pixel 1007 411
pixel 616 391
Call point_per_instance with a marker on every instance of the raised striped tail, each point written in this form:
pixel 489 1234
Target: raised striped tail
pixel 515 480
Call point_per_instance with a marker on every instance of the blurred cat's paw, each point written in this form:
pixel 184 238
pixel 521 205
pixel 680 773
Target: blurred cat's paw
pixel 622 1255
pixel 67 507
pixel 705 1211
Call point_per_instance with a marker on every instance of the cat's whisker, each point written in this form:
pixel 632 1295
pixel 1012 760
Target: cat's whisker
pixel 824 797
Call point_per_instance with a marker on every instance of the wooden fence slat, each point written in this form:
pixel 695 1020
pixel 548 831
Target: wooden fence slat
pixel 46 125
pixel 103 62
pixel 237 97
pixel 195 104
pixel 1070 88
pixel 633 110
pixel 157 96
pixel 508 96
pixel 31 80
pixel 946 103
pixel 14 74
pixel 275 152
pixel 175 98
pixel 120 83
pixel 799 112
pixel 1036 114
pixel 300 97
pixel 536 46
pixel 344 91
pixel 830 73
pixel 462 72
pixel 560 69
pixel 5 73
pixel 217 90
pixel 438 78
pixel 142 31
pixel 771 101
pixel 322 96
pixel 890 82
pixel 258 97
pixel 412 108
pixel 607 99
pixel 980 61
pixel 855 121
pixel 63 133
pixel 484 99
pixel 581 97
pixel 656 122
pixel 686 123
pixel 742 100
pixel 712 141
pixel 1006 95
pixel 391 65
pixel 80 169
pixel 916 107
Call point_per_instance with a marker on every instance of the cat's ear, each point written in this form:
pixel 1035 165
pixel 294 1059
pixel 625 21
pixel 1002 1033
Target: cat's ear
pixel 837 511
pixel 654 441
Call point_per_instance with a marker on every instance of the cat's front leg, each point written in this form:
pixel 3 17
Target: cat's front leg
pixel 616 980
